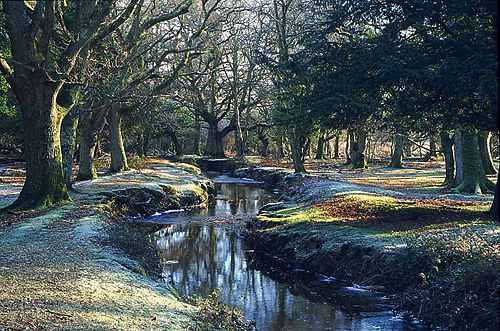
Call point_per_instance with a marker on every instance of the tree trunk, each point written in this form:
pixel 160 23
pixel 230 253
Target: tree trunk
pixel 458 152
pixel 68 144
pixel 145 143
pixel 407 148
pixel 178 150
pixel 320 151
pixel 298 147
pixel 264 144
pixel 92 122
pixel 348 143
pixel 449 159
pixel 432 153
pixel 485 150
pixel 197 138
pixel 215 142
pixel 329 149
pixel 42 118
pixel 118 157
pixel 238 135
pixel 140 145
pixel 358 146
pixel 474 178
pixel 336 146
pixel 494 211
pixel 280 149
pixel 397 152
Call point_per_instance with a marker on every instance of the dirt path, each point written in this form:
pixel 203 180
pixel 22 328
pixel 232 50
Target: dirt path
pixel 59 269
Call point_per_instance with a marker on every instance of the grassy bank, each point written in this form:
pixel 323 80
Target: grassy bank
pixel 440 256
pixel 83 266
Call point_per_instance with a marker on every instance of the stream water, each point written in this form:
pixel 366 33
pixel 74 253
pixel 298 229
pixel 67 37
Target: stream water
pixel 200 251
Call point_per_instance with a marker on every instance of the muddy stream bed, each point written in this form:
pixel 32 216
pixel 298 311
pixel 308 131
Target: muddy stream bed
pixel 204 250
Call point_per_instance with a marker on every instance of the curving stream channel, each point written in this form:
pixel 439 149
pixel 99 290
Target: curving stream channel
pixel 201 251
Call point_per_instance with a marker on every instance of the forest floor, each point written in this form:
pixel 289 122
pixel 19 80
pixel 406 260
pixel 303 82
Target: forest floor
pixel 438 252
pixel 73 266
pixel 415 176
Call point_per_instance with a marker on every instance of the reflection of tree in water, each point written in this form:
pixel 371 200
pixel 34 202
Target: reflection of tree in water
pixel 239 199
pixel 211 256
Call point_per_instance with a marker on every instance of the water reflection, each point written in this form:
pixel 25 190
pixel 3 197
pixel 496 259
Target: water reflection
pixel 234 199
pixel 197 258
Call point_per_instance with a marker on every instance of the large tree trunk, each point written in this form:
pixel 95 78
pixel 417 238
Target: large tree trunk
pixel 474 178
pixel 299 148
pixel 118 157
pixel 458 152
pixel 485 150
pixel 397 152
pixel 358 146
pixel 68 144
pixel 320 151
pixel 42 118
pixel 449 158
pixel 215 141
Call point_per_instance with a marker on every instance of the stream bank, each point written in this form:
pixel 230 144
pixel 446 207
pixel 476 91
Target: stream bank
pixel 438 255
pixel 77 266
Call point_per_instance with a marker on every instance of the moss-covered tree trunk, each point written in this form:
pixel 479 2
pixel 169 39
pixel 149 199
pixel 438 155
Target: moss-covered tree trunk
pixel 397 152
pixel 118 157
pixel 215 141
pixel 42 118
pixel 91 124
pixel 484 139
pixel 358 147
pixel 474 177
pixel 68 144
pixel 449 158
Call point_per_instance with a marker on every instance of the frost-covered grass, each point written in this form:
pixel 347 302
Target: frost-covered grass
pixel 63 268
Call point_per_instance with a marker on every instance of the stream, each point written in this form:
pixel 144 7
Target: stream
pixel 203 250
